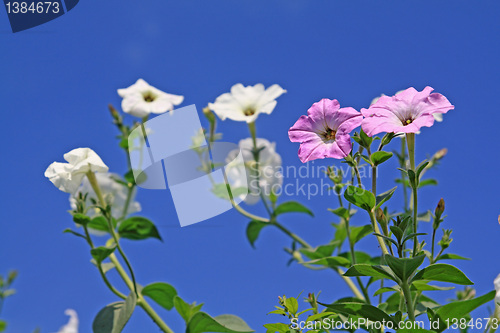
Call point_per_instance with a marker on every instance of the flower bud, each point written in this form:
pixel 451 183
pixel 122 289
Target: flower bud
pixel 446 240
pixel 438 212
pixel 209 114
pixel 440 154
pixel 114 113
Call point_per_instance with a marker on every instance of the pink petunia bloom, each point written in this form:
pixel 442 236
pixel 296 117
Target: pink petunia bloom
pixel 405 112
pixel 324 132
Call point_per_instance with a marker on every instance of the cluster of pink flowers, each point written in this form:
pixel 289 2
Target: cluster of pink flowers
pixel 325 131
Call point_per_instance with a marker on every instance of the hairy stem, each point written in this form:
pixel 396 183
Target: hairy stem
pixel 409 302
pixel 410 138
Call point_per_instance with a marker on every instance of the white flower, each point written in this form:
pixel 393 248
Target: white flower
pixel 270 177
pixel 246 103
pixel 67 177
pixel 497 288
pixel 72 325
pixel 114 193
pixel 141 99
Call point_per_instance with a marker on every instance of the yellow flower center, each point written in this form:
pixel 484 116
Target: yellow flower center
pixel 250 111
pixel 149 96
pixel 330 134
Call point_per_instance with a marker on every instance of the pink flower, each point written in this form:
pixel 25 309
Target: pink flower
pixel 405 112
pixel 324 132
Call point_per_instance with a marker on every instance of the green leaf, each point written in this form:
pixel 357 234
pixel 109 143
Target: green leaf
pixel 460 309
pixel 413 178
pixel 114 317
pixel 385 290
pixel 321 251
pixel 450 256
pixel 359 197
pixel 427 182
pixel 138 228
pixel 100 223
pixel 384 197
pixel 378 272
pixel 292 305
pixel 277 327
pixel 69 231
pixel 380 157
pixel 443 273
pixel 253 231
pixel 162 293
pixel 362 310
pixel 358 233
pixel 292 207
pixel 423 286
pixel 202 322
pixel 129 177
pixel 404 267
pixel 102 252
pixel 421 168
pixel 3 325
pixel 341 212
pixel 186 310
pixel 81 219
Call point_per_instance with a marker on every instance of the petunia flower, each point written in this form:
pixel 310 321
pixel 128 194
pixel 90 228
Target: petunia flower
pixel 268 172
pixel 246 103
pixel 497 288
pixel 72 325
pixel 324 132
pixel 67 177
pixel 405 112
pixel 114 193
pixel 141 99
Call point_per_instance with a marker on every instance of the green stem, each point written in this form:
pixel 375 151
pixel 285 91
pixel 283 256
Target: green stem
pixel 353 259
pixel 410 138
pixel 432 246
pixel 256 155
pixel 95 186
pixel 140 301
pixel 302 242
pixel 99 267
pixel 403 175
pixel 409 303
pixel 381 241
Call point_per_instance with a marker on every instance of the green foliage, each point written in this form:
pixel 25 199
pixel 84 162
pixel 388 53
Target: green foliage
pixel 292 207
pixel 360 198
pixel 253 231
pixel 138 228
pixel 380 157
pixel 114 317
pixel 405 267
pixel 442 273
pixel 102 252
pixel 162 293
pixel 201 322
pixel 187 311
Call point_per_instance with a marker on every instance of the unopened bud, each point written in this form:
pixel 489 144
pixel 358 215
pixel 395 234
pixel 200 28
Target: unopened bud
pixel 439 209
pixel 209 114
pixel 380 216
pixel 446 240
pixel 114 112
pixel 440 154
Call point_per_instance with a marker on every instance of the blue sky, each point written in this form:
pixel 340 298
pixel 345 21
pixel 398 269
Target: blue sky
pixel 57 80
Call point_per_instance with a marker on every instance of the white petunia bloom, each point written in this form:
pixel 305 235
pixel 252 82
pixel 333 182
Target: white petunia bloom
pixel 246 103
pixel 72 325
pixel 497 288
pixel 269 175
pixel 114 193
pixel 141 99
pixel 67 177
